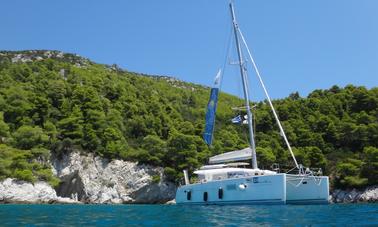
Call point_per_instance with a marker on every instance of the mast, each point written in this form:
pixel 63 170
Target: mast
pixel 243 73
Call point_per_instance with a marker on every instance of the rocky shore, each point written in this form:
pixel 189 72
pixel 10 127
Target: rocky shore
pixel 370 194
pixel 90 179
pixel 15 191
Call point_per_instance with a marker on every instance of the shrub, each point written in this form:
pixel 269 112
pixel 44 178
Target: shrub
pixel 156 179
pixel 24 174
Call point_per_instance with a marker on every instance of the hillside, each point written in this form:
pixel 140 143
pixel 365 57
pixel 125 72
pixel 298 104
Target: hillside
pixel 52 103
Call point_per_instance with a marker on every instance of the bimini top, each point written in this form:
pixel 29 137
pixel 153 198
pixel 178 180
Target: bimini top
pixel 232 156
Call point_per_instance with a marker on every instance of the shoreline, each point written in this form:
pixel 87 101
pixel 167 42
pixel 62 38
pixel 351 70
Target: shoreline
pixel 20 192
pixel 366 195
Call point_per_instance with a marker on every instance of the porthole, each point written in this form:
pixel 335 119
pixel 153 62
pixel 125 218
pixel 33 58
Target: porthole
pixel 189 195
pixel 205 196
pixel 220 193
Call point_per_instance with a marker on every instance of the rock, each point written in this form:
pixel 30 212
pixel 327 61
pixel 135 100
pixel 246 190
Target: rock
pixel 93 179
pixel 370 194
pixel 66 200
pixel 349 197
pixel 38 55
pixel 171 202
pixel 16 191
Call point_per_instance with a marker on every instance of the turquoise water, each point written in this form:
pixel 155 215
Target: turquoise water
pixel 174 215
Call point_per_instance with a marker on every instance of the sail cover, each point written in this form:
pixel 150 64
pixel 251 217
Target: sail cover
pixel 210 116
pixel 231 156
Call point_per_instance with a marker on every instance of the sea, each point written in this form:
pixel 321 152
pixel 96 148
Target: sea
pixel 184 215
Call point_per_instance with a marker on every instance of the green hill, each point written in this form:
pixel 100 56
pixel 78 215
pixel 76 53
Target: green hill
pixel 51 103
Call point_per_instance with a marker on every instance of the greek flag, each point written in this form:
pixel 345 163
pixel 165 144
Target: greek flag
pixel 237 119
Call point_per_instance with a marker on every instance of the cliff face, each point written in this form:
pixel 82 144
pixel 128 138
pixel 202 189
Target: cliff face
pixel 91 179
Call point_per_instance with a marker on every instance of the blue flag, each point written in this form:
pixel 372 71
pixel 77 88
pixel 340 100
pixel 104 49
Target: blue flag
pixel 210 116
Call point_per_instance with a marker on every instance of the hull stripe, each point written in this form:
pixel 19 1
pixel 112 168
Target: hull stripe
pixel 308 201
pixel 260 201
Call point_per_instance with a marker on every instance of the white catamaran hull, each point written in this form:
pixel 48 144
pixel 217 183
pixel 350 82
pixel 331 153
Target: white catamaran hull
pixel 269 189
pixel 307 189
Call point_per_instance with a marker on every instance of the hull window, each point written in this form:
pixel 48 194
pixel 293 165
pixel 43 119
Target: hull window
pixel 231 187
pixel 189 195
pixel 220 193
pixel 205 196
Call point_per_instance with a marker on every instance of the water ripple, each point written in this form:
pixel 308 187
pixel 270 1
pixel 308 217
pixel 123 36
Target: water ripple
pixel 170 215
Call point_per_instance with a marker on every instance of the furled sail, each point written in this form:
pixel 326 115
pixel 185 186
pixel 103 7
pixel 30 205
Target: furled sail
pixel 211 110
pixel 231 156
pixel 210 116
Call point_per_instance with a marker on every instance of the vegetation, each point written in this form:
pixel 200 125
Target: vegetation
pixel 28 165
pixel 53 103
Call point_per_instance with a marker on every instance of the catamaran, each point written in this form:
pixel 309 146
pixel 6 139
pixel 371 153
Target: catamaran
pixel 225 181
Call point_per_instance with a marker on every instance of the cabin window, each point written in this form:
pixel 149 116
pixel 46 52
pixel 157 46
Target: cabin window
pixel 220 193
pixel 205 196
pixel 236 174
pixel 201 178
pixel 189 195
pixel 219 176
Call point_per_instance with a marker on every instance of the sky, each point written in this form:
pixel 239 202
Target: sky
pixel 298 45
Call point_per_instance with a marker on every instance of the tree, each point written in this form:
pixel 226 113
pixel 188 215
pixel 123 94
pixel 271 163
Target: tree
pixel 50 130
pixel 40 110
pixel 265 156
pixel 90 141
pixel 4 128
pixel 71 126
pixel 27 137
pixel 315 157
pixel 18 106
pixel 114 143
pixel 294 96
pixel 370 166
pixel 348 174
pixel 156 149
pixel 56 91
pixel 182 152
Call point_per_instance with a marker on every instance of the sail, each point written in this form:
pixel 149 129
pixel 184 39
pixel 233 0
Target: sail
pixel 231 156
pixel 210 116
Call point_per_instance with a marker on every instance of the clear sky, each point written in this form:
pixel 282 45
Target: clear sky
pixel 298 45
